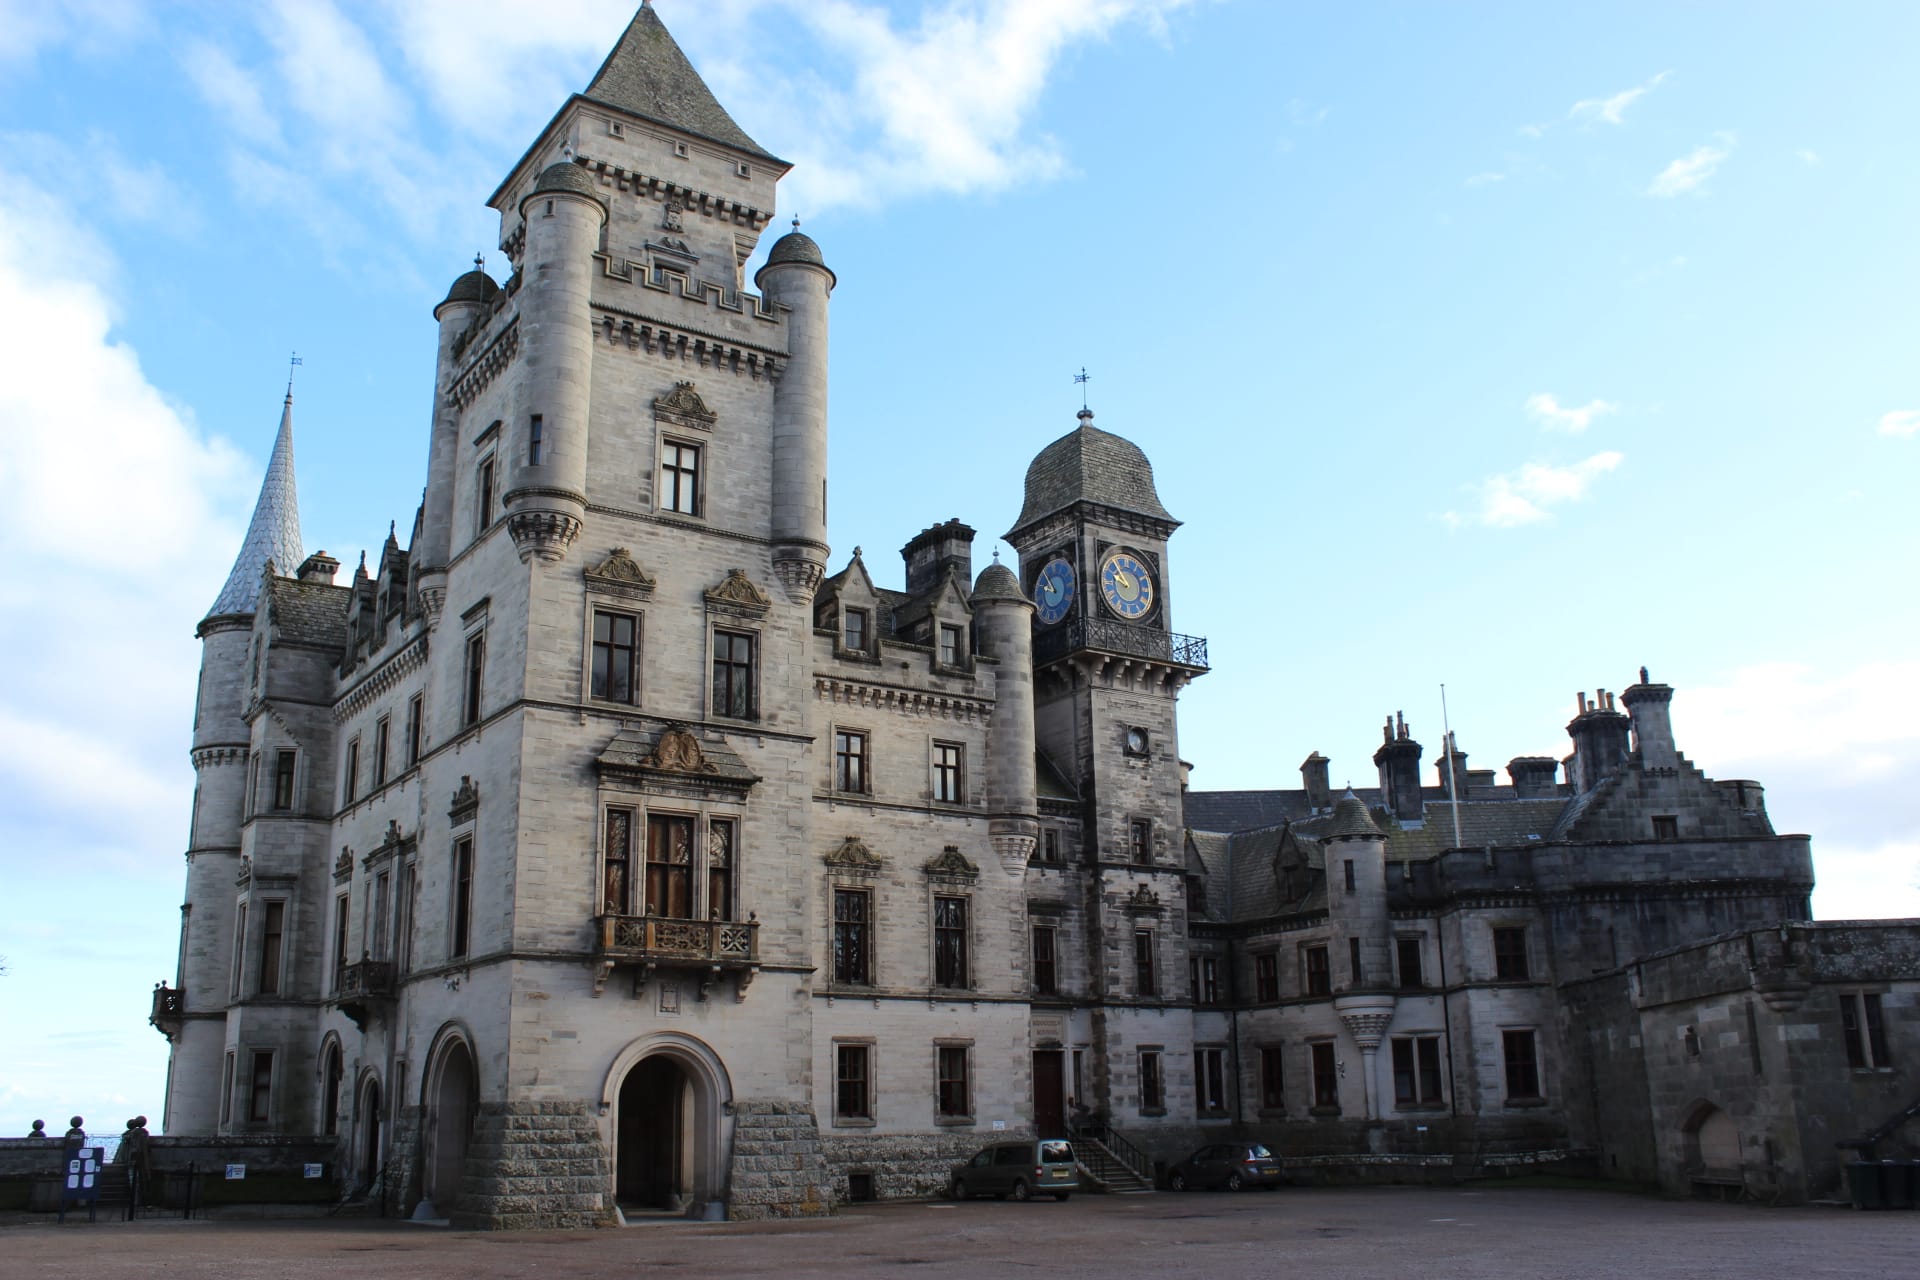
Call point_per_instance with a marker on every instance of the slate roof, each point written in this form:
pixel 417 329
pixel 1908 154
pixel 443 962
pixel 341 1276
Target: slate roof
pixel 1049 782
pixel 647 75
pixel 308 613
pixel 1245 810
pixel 1090 465
pixel 273 533
pixel 1482 822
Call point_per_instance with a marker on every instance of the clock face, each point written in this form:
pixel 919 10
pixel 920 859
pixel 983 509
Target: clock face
pixel 1126 585
pixel 1053 591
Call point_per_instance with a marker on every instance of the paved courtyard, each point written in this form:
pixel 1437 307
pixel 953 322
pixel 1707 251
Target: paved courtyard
pixel 1326 1234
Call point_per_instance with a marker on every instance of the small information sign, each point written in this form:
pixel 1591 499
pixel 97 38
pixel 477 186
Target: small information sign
pixel 312 1170
pixel 82 1182
pixel 236 1172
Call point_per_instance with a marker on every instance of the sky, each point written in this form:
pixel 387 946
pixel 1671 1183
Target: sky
pixel 1505 347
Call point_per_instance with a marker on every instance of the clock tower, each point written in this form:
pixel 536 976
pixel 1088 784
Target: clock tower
pixel 1108 670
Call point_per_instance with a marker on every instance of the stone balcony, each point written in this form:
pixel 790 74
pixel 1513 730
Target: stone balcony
pixel 649 943
pixel 169 1010
pixel 365 987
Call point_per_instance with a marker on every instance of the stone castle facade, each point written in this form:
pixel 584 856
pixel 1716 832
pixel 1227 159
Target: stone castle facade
pixel 598 847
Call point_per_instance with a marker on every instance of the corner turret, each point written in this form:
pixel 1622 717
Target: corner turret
pixel 467 301
pixel 797 279
pixel 1003 623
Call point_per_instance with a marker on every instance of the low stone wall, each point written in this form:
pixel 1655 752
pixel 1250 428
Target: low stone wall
pixel 779 1168
pixel 903 1166
pixel 533 1166
pixel 32 1170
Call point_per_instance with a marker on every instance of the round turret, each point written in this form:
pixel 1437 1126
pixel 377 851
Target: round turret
pixel 1351 819
pixel 475 286
pixel 996 582
pixel 564 175
pixel 794 249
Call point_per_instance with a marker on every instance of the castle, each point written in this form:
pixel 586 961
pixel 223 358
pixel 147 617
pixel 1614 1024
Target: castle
pixel 600 847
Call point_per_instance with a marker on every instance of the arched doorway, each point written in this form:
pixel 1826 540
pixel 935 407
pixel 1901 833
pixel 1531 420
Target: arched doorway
pixel 332 1075
pixel 656 1148
pixel 454 1100
pixel 369 1115
pixel 1712 1144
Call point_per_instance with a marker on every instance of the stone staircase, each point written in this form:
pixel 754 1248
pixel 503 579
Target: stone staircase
pixel 1107 1173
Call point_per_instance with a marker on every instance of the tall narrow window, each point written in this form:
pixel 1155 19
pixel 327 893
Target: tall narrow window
pixel 733 675
pixel 1273 1095
pixel 1143 983
pixel 1863 1027
pixel 720 854
pixel 950 942
pixel 1410 969
pixel 1153 1095
pixel 680 477
pixel 1356 973
pixel 226 1090
pixel 409 901
pixel 852 954
pixel 462 934
pixel 616 893
pixel 474 678
pixel 1140 841
pixel 1523 1064
pixel 1045 979
pixel 382 743
pixel 416 707
pixel 1210 1081
pixel 955 1098
pixel 615 648
pixel 273 927
pixel 1319 974
pixel 1416 1071
pixel 669 866
pixel 1510 954
pixel 341 917
pixel 1208 991
pixel 849 760
pixel 239 950
pixel 1349 875
pixel 952 645
pixel 853 625
pixel 351 791
pixel 947 758
pixel 536 442
pixel 483 498
pixel 1266 977
pixel 330 1095
pixel 252 800
pixel 283 764
pixel 1326 1077
pixel 852 1072
pixel 1049 845
pixel 260 1094
pixel 382 910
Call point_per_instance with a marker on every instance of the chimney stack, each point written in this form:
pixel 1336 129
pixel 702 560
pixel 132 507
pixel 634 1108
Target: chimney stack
pixel 1533 776
pixel 1450 752
pixel 936 551
pixel 1648 705
pixel 1599 736
pixel 1398 760
pixel 1313 773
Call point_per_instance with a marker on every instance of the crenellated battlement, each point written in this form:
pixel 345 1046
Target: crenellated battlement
pixel 664 278
pixel 486 366
pixel 707 350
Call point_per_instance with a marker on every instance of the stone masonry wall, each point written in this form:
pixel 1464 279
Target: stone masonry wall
pixel 904 1166
pixel 533 1166
pixel 778 1167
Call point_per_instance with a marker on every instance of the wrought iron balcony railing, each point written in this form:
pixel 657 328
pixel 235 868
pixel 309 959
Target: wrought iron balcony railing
pixel 1103 635
pixel 658 939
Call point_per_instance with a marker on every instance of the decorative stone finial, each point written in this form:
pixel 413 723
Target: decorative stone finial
pixel 479 261
pixel 796 222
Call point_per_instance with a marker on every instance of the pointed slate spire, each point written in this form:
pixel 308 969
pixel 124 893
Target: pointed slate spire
pixel 647 75
pixel 274 532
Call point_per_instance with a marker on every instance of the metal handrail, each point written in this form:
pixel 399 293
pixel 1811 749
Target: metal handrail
pixel 1108 636
pixel 1117 1145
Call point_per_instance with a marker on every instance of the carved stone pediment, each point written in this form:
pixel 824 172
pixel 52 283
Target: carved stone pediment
pixel 683 407
pixel 1143 900
pixel 737 594
pixel 678 751
pixel 343 865
pixel 854 854
pixel 619 574
pixel 466 801
pixel 952 862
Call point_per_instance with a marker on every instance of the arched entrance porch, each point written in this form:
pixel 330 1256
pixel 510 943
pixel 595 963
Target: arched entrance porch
pixel 367 1112
pixel 453 1100
pixel 670 1101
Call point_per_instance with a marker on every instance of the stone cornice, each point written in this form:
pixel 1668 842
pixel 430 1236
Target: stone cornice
pixel 687 199
pixel 906 702
pixel 686 342
pixel 205 757
pixel 485 367
pixel 410 657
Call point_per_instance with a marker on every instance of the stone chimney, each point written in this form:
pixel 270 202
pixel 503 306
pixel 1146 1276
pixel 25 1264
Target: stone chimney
pixel 1533 776
pixel 1647 704
pixel 1461 785
pixel 318 567
pixel 1313 774
pixel 934 552
pixel 1599 734
pixel 1398 760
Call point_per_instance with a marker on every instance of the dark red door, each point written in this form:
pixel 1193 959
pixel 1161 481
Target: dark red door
pixel 1049 1094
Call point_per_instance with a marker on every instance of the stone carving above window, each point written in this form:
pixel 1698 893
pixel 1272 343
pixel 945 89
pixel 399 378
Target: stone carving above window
pixel 854 854
pixel 619 574
pixel 678 751
pixel 1143 900
pixel 683 407
pixel 737 594
pixel 466 801
pixel 343 865
pixel 952 862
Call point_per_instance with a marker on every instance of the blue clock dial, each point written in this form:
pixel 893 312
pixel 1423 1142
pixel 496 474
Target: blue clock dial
pixel 1053 591
pixel 1126 585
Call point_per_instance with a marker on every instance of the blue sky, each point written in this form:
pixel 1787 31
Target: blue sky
pixel 1505 346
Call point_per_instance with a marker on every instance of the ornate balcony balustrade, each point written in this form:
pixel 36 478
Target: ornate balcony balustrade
pixel 1103 635
pixel 712 946
pixel 364 985
pixel 169 1010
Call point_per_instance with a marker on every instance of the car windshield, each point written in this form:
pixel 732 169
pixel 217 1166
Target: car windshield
pixel 1258 1152
pixel 1056 1152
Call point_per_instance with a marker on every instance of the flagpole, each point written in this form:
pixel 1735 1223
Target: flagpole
pixel 1453 788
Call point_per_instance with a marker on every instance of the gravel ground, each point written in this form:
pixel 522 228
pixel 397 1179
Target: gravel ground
pixel 1328 1234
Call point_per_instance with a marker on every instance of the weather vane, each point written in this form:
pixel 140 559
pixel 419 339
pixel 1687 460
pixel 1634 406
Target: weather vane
pixel 293 362
pixel 1082 378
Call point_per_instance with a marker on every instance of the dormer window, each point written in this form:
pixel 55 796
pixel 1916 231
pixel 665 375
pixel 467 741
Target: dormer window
pixel 854 629
pixel 952 645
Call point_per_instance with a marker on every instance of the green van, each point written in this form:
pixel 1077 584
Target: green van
pixel 1022 1170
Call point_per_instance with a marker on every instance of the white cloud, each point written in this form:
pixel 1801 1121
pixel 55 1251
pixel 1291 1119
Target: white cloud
pixel 233 92
pixel 1808 156
pixel 1901 423
pixel 1525 496
pixel 1545 409
pixel 1612 110
pixel 1829 747
pixel 1485 179
pixel 95 26
pixel 1692 170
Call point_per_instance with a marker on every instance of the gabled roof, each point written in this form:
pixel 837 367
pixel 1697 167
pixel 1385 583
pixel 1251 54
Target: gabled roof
pixel 648 76
pixel 308 613
pixel 273 533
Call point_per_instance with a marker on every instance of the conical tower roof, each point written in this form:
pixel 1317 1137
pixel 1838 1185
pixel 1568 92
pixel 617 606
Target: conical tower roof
pixel 274 532
pixel 647 75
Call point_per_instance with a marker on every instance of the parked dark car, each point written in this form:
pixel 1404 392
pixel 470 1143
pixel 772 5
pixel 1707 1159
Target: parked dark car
pixel 1022 1170
pixel 1232 1165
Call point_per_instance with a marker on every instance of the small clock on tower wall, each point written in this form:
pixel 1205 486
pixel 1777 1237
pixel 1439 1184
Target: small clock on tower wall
pixel 1126 585
pixel 1053 591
